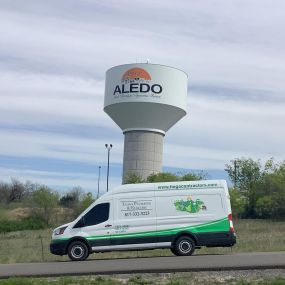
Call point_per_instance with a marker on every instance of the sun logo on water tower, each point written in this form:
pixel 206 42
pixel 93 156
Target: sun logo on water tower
pixel 137 81
pixel 135 75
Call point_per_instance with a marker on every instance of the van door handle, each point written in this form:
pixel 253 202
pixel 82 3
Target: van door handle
pixel 108 226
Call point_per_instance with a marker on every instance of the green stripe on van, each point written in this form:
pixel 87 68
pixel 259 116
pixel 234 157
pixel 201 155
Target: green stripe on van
pixel 216 226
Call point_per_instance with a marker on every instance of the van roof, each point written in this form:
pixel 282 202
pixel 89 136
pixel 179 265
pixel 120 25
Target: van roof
pixel 201 184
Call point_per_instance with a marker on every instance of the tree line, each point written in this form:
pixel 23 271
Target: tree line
pixel 46 207
pixel 257 191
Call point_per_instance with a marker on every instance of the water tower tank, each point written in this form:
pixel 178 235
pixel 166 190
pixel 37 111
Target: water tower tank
pixel 145 101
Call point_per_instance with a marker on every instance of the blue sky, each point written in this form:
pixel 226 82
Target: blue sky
pixel 53 58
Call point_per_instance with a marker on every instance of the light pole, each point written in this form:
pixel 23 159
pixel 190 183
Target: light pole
pixel 108 147
pixel 99 168
pixel 235 173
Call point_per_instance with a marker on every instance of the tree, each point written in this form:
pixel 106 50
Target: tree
pixel 169 177
pixel 85 201
pixel 263 187
pixel 71 199
pixel 14 191
pixel 17 190
pixel 264 207
pixel 278 202
pixel 4 193
pixel 194 176
pixel 245 174
pixel 162 177
pixel 273 186
pixel 30 187
pixel 133 178
pixel 44 201
pixel 238 203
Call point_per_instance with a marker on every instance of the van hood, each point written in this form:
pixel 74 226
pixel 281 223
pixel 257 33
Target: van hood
pixel 61 226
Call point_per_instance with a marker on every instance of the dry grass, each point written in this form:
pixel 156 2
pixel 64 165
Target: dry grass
pixel 18 213
pixel 253 235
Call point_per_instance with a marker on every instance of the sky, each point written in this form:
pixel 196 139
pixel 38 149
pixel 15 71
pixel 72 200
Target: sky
pixel 53 59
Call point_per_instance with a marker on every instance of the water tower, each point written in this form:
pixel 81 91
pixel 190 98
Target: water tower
pixel 145 101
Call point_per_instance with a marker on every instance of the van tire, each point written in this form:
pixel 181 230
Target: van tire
pixel 184 246
pixel 78 251
pixel 173 250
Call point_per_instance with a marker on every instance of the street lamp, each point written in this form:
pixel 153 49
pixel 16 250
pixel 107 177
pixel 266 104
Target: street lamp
pixel 108 147
pixel 99 168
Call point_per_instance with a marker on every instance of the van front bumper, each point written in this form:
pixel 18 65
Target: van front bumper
pixel 58 247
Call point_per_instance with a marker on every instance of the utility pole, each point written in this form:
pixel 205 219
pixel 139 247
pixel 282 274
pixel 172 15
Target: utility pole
pixel 235 172
pixel 108 147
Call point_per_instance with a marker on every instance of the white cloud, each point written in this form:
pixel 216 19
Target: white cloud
pixel 49 145
pixel 61 180
pixel 218 130
pixel 51 98
pixel 54 55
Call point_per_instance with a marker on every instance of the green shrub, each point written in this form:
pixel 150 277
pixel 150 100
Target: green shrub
pixel 133 178
pixel 28 223
pixel 162 177
pixel 238 203
pixel 264 207
pixel 44 201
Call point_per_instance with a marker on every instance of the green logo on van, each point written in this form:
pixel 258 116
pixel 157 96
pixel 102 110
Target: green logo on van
pixel 189 205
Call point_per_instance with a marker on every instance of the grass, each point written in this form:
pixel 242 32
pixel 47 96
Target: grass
pixel 255 235
pixel 138 280
pixel 27 223
pixel 33 245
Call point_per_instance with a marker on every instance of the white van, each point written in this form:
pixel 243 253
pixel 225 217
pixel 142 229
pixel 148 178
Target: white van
pixel 180 216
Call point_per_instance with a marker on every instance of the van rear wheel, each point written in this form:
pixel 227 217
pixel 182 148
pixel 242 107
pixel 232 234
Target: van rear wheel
pixel 173 250
pixel 184 246
pixel 78 251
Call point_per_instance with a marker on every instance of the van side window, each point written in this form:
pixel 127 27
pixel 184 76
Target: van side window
pixel 98 214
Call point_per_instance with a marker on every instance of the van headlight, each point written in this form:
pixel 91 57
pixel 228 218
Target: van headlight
pixel 59 231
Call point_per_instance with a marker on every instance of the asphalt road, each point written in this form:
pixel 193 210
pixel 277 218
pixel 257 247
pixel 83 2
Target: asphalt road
pixel 261 260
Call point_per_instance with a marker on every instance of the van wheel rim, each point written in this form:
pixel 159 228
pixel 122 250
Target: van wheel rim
pixel 77 251
pixel 185 246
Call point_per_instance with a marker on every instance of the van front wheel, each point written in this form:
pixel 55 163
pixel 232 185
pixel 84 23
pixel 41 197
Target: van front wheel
pixel 78 251
pixel 184 246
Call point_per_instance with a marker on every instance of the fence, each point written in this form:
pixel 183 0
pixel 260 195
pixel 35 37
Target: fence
pixel 33 246
pixel 26 246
